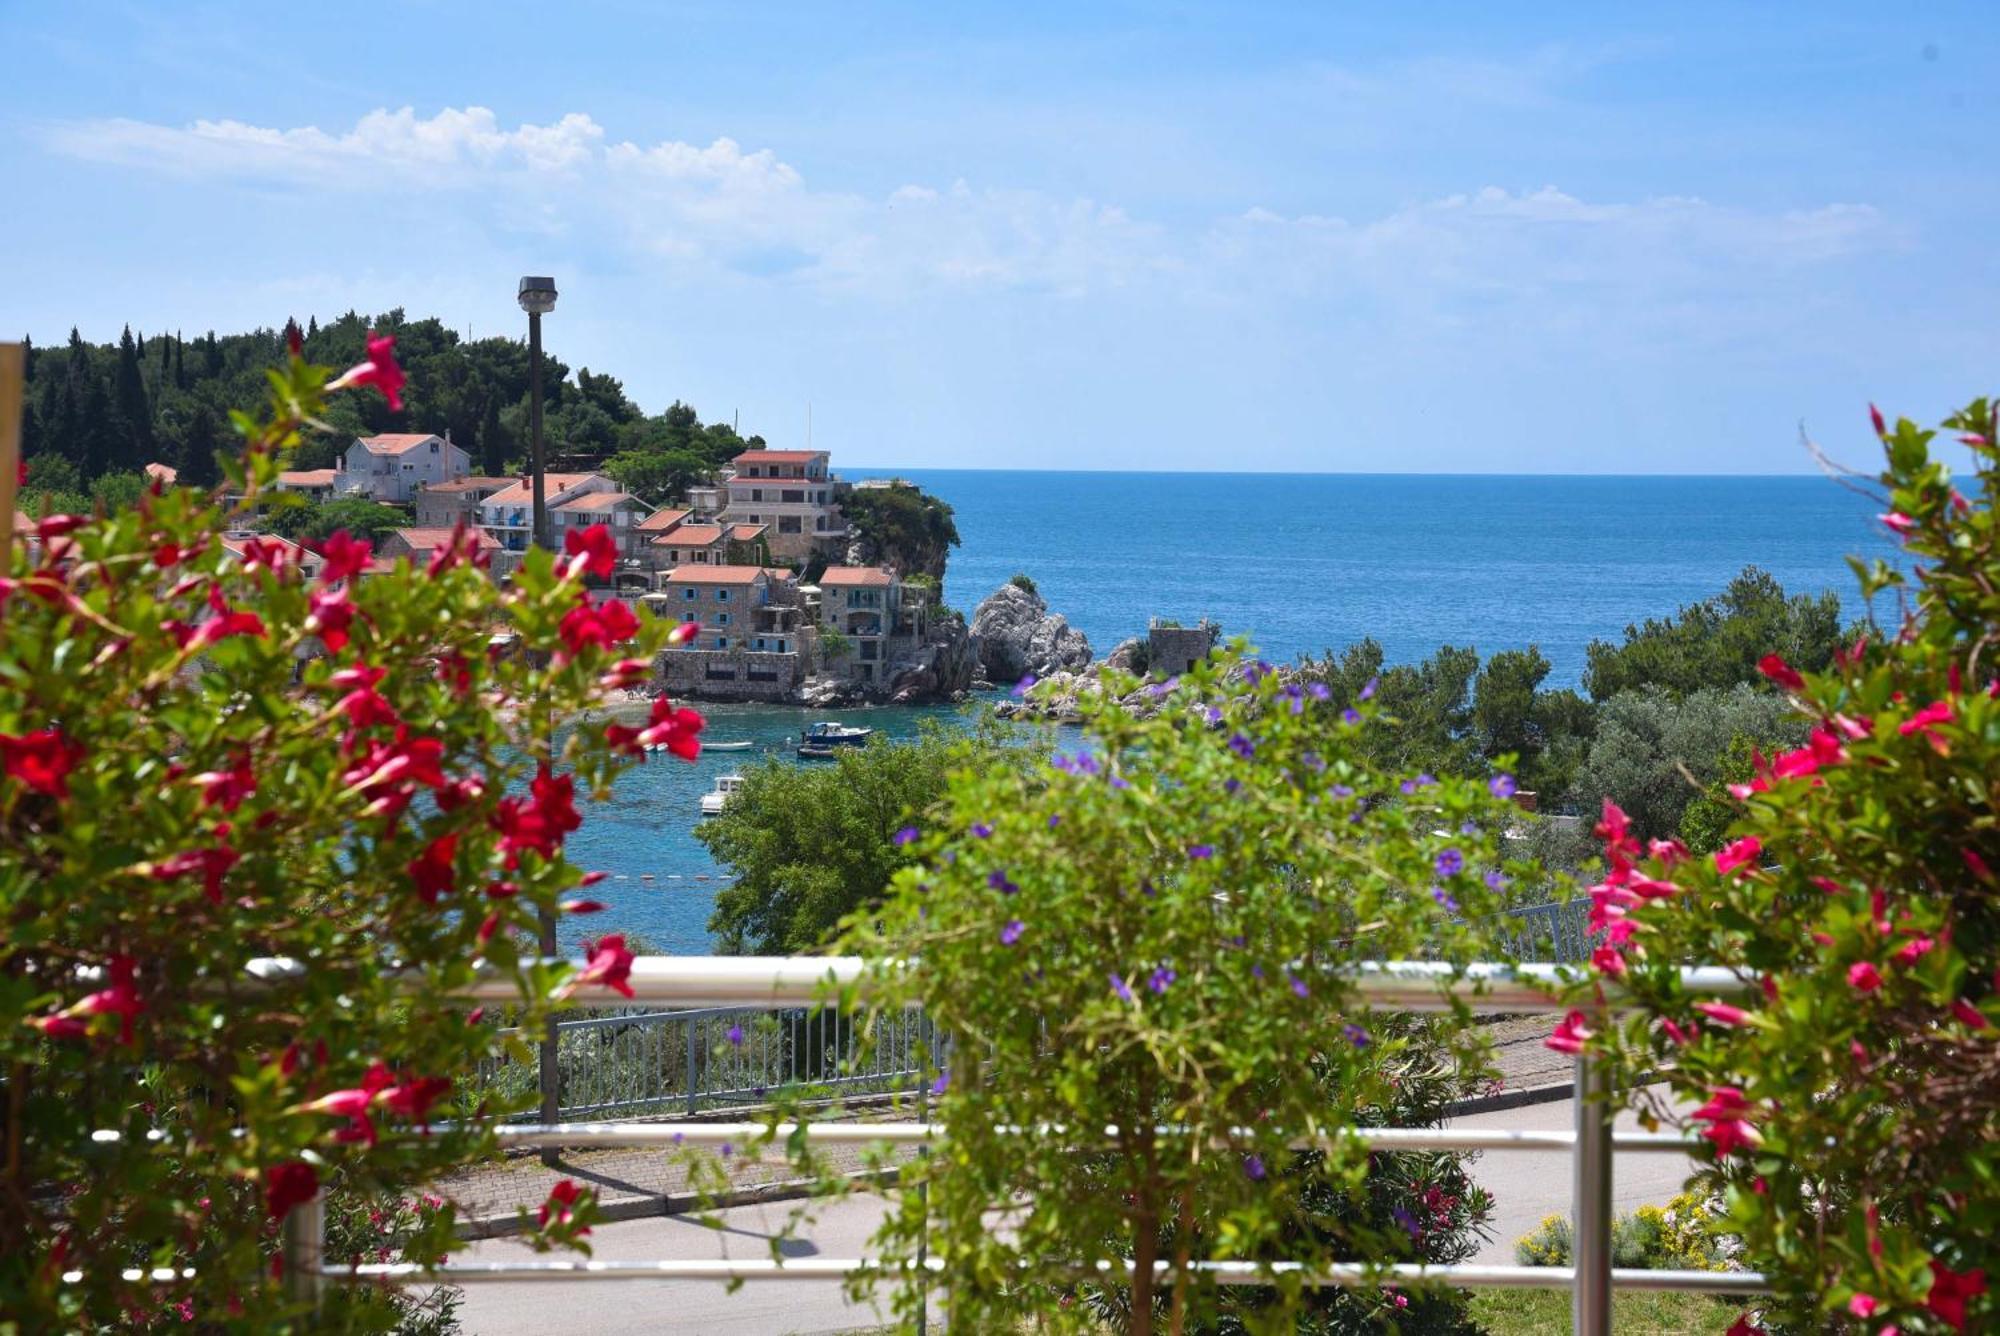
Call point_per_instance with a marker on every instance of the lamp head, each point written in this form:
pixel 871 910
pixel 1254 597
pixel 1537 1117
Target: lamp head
pixel 538 295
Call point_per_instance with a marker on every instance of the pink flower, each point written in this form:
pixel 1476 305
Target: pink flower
pixel 1968 1013
pixel 380 370
pixel 1951 1289
pixel 1976 865
pixel 1898 521
pixel 1722 1013
pixel 1863 1305
pixel 346 557
pixel 1571 1034
pixel 329 617
pixel 1863 976
pixel 584 625
pixel 1875 416
pixel 1774 667
pixel 610 964
pixel 1743 851
pixel 62 1027
pixel 1926 720
pixel 41 760
pixel 683 633
pixel 1728 1129
pixel 412 1099
pixel 1910 952
pixel 592 551
pixel 213 862
pixel 1743 1326
pixel 228 788
pixel 1607 961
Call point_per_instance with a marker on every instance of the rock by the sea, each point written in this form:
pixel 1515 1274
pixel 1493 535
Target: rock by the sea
pixel 941 668
pixel 1016 634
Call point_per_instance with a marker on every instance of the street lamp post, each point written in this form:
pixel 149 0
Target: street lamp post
pixel 538 298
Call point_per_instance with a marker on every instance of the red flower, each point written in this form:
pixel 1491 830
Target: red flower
pixel 346 557
pixel 355 1101
pixel 562 1197
pixel 1863 976
pixel 1968 1013
pixel 592 551
pixel 1774 667
pixel 1743 852
pixel 363 704
pixel 1976 864
pixel 677 730
pixel 293 1183
pixel 1898 521
pixel 380 370
pixel 1571 1034
pixel 269 556
pixel 213 863
pixel 121 999
pixel 1875 416
pixel 540 821
pixel 1926 720
pixel 228 788
pixel 608 625
pixel 1606 960
pixel 1743 1326
pixel 1951 1289
pixel 433 869
pixel 683 633
pixel 42 760
pixel 610 965
pixel 462 546
pixel 62 1027
pixel 413 1099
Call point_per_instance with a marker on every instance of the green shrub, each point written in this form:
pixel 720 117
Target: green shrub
pixel 1022 580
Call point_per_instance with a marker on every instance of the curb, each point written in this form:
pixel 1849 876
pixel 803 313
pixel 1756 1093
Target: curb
pixel 1512 1099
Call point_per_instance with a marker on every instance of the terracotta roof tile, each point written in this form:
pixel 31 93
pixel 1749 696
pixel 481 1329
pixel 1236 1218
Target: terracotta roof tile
pixel 715 575
pixel 866 576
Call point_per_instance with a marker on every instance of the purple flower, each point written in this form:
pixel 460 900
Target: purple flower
pixel 1214 714
pixel 1368 691
pixel 1407 1221
pixel 735 1036
pixel 1054 821
pixel 1257 972
pixel 1495 879
pixel 1410 786
pixel 1162 978
pixel 1296 694
pixel 1313 762
pixel 944 1080
pixel 1318 690
pixel 727 1150
pixel 1120 782
pixel 998 880
pixel 1231 785
pixel 1298 985
pixel 907 835
pixel 1012 932
pixel 981 831
pixel 1253 1165
pixel 1450 863
pixel 1468 828
pixel 1439 894
pixel 1201 851
pixel 1255 672
pixel 1356 1035
pixel 1025 685
pixel 1119 986
pixel 1146 887
pixel 1342 791
pixel 1350 716
pixel 1242 746
pixel 1165 688
pixel 1502 786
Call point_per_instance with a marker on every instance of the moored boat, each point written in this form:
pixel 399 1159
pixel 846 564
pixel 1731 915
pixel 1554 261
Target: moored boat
pixel 824 739
pixel 718 798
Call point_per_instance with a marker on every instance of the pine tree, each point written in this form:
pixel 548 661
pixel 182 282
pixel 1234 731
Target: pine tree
pixel 132 446
pixel 198 446
pixel 494 445
pixel 180 363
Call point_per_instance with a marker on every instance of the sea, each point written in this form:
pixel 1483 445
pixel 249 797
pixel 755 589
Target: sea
pixel 1298 563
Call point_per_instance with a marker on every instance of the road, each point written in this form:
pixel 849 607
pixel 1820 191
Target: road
pixel 1526 1186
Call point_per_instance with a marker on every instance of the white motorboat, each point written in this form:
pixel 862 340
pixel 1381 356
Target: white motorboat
pixel 718 798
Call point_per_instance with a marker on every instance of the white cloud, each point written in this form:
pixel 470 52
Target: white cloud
pixel 753 216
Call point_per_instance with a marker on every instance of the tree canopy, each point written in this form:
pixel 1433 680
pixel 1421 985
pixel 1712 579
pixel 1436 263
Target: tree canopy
pixel 910 529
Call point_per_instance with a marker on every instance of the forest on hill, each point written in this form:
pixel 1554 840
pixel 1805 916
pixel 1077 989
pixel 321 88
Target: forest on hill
pixel 97 414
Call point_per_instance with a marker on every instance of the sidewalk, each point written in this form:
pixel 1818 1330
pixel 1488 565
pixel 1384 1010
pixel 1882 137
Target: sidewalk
pixel 632 1184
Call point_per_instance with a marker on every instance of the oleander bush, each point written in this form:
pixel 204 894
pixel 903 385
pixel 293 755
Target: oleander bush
pixel 208 759
pixel 1851 1098
pixel 1150 936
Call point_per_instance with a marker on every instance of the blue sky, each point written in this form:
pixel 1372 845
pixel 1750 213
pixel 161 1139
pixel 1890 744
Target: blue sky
pixel 1454 238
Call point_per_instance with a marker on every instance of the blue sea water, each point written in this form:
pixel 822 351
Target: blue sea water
pixel 1300 564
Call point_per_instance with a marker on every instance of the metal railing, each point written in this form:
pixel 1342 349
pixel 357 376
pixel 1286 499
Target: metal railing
pixel 782 983
pixel 641 1063
pixel 636 1062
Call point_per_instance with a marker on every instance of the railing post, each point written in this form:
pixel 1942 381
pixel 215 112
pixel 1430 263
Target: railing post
pixel 550 1065
pixel 692 1077
pixel 1590 1222
pixel 303 1241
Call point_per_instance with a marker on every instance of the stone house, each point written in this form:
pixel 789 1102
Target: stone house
pixel 790 491
pixel 417 544
pixel 1173 649
pixel 443 505
pixel 755 641
pixel 865 605
pixel 509 514
pixel 390 468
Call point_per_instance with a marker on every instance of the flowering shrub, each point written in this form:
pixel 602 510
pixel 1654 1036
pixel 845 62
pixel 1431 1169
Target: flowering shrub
pixel 1851 1104
pixel 1680 1236
pixel 208 758
pixel 1136 948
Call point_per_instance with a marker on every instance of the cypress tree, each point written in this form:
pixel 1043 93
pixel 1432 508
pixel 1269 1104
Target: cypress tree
pixel 133 438
pixel 198 446
pixel 494 447
pixel 180 362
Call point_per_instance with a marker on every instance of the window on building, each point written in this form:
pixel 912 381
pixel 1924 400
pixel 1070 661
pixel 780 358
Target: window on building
pixel 722 619
pixel 796 498
pixel 434 447
pixel 789 524
pixel 687 616
pixel 722 596
pixel 756 494
pixel 722 642
pixel 819 522
pixel 781 647
pixel 689 593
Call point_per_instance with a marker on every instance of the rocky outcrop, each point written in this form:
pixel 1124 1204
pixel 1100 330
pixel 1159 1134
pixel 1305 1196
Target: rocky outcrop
pixel 1015 634
pixel 1129 657
pixel 941 668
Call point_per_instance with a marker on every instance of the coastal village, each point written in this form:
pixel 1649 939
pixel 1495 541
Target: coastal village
pixel 733 558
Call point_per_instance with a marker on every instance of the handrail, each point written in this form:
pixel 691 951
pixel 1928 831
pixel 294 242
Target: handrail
pixel 773 982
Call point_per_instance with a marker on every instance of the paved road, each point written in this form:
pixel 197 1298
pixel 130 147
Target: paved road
pixel 1526 1186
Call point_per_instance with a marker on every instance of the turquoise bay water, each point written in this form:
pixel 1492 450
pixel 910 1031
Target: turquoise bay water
pixel 1300 564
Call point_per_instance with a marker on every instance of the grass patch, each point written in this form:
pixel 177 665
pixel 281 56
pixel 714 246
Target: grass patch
pixel 1538 1312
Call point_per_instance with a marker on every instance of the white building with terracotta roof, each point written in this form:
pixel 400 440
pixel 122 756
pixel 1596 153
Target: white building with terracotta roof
pixel 793 493
pixel 417 543
pixel 509 514
pixel 313 484
pixel 391 468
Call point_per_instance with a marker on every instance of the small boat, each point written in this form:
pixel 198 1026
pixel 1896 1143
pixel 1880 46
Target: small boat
pixel 821 740
pixel 714 801
pixel 743 745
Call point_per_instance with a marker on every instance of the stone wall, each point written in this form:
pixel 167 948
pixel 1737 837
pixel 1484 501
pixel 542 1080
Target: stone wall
pixel 1172 650
pixel 731 674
